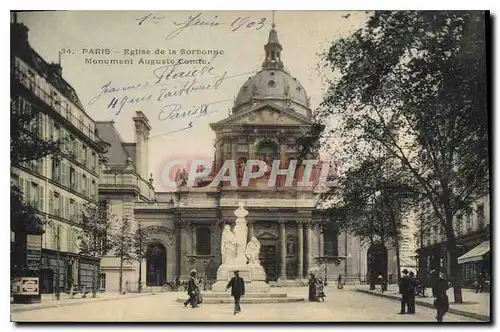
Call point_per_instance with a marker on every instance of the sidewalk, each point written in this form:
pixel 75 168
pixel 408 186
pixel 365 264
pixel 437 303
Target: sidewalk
pixel 474 305
pixel 49 300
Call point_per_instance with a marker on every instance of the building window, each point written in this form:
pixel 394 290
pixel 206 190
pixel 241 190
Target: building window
pixel 57 204
pixel 468 220
pixel 102 278
pixel 56 170
pixel 94 162
pixel 330 241
pixel 84 155
pixel 84 185
pixel 480 216
pixel 34 198
pixel 72 178
pixel 203 244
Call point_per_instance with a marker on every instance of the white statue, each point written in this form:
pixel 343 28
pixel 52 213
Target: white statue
pixel 240 232
pixel 228 246
pixel 253 251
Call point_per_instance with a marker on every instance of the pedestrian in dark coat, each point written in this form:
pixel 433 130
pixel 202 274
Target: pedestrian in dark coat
pixel 192 291
pixel 480 282
pixel 312 288
pixel 413 293
pixel 237 285
pixel 404 290
pixel 441 302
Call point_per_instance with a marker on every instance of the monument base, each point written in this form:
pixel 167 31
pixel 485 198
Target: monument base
pixel 251 287
pixel 253 275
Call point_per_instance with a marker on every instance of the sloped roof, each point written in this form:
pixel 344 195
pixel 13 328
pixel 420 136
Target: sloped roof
pixel 118 152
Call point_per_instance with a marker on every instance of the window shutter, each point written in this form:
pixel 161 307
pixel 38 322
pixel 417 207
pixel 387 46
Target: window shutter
pixel 68 216
pixel 40 199
pixel 68 238
pixel 21 186
pixel 41 122
pixel 50 129
pixel 51 202
pixel 27 185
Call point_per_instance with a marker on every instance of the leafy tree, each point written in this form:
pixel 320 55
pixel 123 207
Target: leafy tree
pixel 373 199
pixel 141 238
pixel 123 245
pixel 95 234
pixel 413 85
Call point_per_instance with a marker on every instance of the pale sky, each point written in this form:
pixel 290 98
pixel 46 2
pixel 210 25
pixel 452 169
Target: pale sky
pixel 301 33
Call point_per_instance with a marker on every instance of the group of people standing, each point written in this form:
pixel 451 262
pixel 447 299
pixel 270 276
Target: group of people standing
pixel 316 289
pixel 408 286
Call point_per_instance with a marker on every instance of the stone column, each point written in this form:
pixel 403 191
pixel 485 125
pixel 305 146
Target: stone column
pixel 226 146
pixel 321 241
pixel 185 244
pixel 300 233
pixel 250 230
pixel 234 145
pixel 251 153
pixel 218 156
pixel 177 250
pixel 309 255
pixel 282 142
pixel 283 249
pixel 193 240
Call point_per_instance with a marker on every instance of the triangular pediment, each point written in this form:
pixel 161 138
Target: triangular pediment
pixel 267 236
pixel 267 114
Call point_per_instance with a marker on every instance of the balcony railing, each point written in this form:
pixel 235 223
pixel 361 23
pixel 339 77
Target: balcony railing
pixel 126 179
pixel 55 104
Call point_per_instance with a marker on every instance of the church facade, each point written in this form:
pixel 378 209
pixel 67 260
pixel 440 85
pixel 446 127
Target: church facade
pixel 271 112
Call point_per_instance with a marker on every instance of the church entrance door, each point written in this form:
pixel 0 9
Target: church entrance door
pixel 156 264
pixel 268 261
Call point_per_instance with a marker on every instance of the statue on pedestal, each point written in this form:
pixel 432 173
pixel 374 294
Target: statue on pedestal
pixel 237 255
pixel 228 246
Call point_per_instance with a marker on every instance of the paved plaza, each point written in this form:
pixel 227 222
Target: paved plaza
pixel 345 305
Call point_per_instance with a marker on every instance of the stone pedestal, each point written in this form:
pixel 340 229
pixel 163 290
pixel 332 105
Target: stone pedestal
pixel 253 275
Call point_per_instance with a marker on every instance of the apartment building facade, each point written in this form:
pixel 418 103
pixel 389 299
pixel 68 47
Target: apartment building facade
pixel 472 232
pixel 58 188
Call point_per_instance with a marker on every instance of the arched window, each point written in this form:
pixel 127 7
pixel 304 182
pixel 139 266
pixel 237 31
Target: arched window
pixel 203 244
pixel 330 241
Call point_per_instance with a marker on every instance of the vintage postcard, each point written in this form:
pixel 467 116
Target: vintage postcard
pixel 250 166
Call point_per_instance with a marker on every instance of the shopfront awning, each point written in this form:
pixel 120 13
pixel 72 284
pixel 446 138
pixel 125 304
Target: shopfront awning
pixel 475 254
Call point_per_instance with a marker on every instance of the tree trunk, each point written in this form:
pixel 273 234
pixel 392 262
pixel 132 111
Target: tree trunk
pixel 121 274
pixel 451 248
pixel 94 280
pixel 140 275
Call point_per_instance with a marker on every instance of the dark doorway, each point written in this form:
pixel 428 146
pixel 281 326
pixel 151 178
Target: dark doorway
pixel 377 262
pixel 156 264
pixel 268 260
pixel 69 276
pixel 46 281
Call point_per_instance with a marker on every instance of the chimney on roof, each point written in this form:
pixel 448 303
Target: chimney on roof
pixel 142 129
pixel 18 35
pixel 55 68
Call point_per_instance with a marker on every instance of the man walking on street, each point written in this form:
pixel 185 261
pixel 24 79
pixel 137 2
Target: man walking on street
pixel 237 285
pixel 404 290
pixel 412 294
pixel 192 291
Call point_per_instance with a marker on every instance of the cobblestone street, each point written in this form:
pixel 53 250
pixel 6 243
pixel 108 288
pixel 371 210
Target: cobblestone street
pixel 339 306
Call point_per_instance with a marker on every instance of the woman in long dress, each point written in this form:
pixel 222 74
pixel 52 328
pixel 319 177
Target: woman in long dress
pixel 312 288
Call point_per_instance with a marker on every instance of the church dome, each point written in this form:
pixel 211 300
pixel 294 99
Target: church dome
pixel 272 83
